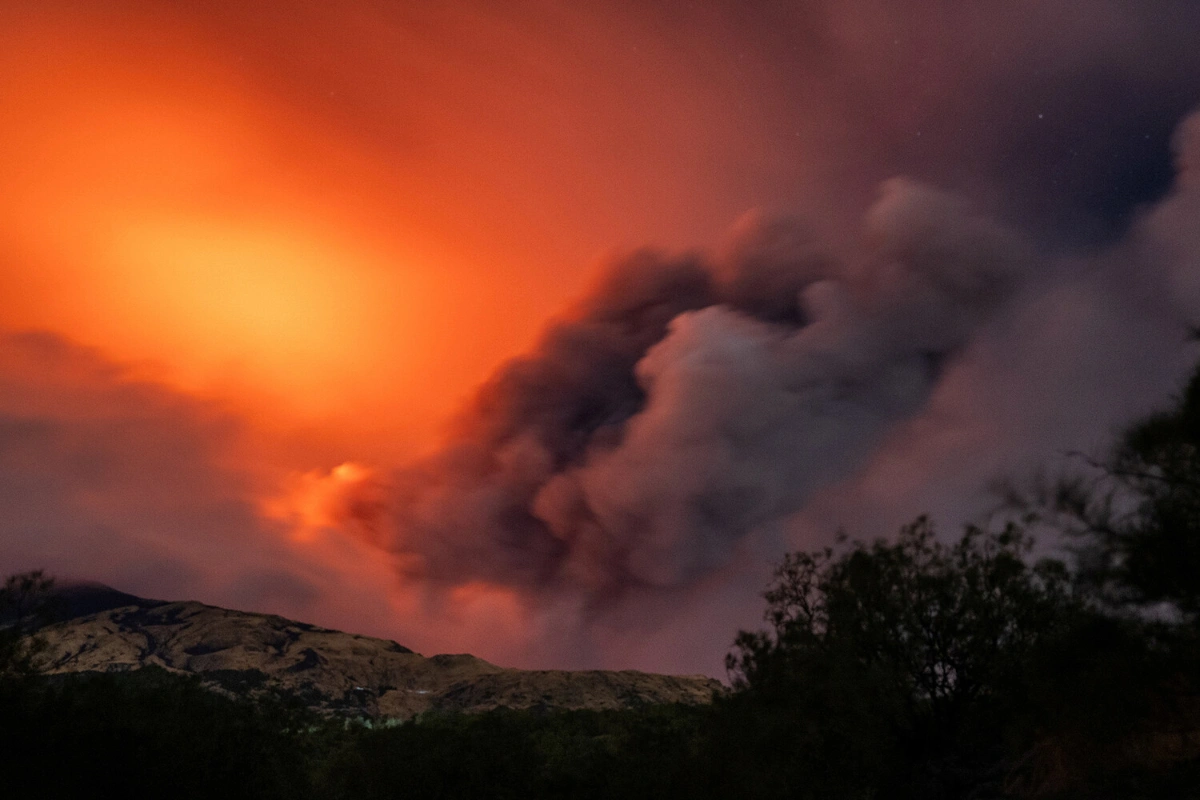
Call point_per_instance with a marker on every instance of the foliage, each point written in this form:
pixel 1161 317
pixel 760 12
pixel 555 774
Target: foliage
pixel 142 734
pixel 1134 515
pixel 899 657
pixel 520 754
pixel 941 620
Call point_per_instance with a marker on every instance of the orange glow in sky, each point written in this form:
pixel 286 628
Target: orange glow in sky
pixel 330 214
pixel 149 219
pixel 349 496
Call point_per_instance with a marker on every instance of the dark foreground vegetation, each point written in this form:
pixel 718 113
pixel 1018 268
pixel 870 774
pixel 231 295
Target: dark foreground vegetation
pixel 901 668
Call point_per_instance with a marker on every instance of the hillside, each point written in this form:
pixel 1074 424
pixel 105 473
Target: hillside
pixel 332 671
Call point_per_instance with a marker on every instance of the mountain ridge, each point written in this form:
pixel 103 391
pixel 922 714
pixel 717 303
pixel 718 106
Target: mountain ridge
pixel 330 671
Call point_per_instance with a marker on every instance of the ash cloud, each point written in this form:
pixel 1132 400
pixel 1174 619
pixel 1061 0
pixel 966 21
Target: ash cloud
pixel 687 402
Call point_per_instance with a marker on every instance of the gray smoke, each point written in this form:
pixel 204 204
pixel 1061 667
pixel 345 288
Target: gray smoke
pixel 687 402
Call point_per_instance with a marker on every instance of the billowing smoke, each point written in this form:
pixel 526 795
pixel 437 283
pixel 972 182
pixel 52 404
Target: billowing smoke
pixel 688 402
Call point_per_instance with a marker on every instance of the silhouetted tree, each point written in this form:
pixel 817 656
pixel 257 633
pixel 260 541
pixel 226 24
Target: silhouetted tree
pixel 1120 696
pixel 888 666
pixel 1135 514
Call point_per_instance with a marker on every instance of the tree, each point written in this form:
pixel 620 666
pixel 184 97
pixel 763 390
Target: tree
pixel 942 620
pixel 1135 514
pixel 887 666
pixel 1125 681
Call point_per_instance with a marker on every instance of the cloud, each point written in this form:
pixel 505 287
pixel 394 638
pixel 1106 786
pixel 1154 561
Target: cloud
pixel 687 402
pixel 796 388
pixel 1095 342
pixel 1168 236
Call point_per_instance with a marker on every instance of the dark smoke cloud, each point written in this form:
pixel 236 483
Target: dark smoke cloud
pixel 786 393
pixel 689 401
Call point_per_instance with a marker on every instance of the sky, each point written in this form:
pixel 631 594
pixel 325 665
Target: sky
pixel 542 330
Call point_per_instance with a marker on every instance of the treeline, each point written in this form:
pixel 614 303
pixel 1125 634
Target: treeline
pixel 911 667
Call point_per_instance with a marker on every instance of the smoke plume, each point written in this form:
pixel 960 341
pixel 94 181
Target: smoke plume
pixel 689 401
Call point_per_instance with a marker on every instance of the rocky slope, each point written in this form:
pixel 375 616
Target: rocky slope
pixel 328 670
